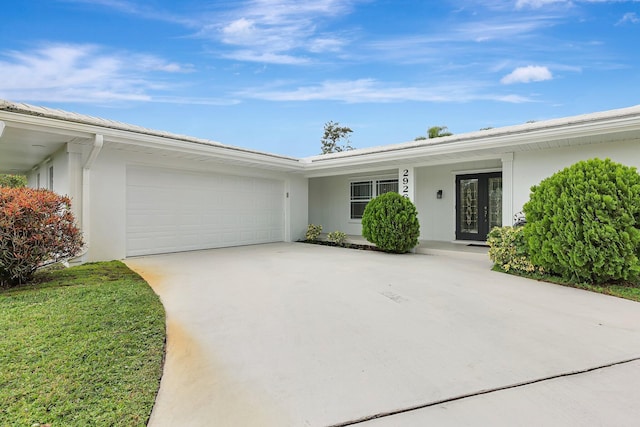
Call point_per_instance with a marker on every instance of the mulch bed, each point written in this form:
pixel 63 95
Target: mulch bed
pixel 343 245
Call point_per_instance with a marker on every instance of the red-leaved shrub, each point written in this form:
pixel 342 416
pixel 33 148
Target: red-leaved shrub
pixel 36 228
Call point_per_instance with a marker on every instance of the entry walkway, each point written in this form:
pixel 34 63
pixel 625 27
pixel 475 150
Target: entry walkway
pixel 292 334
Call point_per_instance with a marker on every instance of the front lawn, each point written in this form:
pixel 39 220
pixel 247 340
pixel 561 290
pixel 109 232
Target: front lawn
pixel 83 346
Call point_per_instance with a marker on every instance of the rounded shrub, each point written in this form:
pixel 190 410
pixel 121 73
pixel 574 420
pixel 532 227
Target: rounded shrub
pixel 36 228
pixel 390 221
pixel 583 222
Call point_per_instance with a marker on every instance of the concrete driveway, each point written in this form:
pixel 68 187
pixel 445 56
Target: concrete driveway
pixel 305 335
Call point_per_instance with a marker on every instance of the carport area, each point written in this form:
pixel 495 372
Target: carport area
pixel 292 334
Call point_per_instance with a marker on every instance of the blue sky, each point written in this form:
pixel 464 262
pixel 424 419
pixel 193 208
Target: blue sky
pixel 267 74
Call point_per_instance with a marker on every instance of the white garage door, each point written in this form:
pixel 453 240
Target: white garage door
pixel 171 211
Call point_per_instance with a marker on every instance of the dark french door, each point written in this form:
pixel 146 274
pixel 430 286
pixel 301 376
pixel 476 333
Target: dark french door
pixel 478 205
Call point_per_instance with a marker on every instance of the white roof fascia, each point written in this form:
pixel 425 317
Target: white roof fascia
pixel 33 118
pixel 220 151
pixel 499 140
pixel 572 130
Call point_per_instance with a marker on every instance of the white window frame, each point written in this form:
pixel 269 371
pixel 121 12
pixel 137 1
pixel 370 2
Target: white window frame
pixel 374 184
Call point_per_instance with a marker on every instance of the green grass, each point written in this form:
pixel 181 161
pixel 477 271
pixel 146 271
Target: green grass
pixel 630 291
pixel 83 346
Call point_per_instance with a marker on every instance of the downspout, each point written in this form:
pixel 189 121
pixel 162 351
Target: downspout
pixel 98 142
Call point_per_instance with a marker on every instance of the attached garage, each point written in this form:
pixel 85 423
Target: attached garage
pixel 173 210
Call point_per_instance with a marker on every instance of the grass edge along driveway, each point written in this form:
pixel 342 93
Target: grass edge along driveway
pixel 82 346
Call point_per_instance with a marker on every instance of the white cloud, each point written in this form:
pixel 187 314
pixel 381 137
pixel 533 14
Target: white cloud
pixel 530 73
pixel 458 41
pixel 266 57
pixel 81 73
pixel 630 17
pixel 138 9
pixel 536 4
pixel 371 90
pixel 325 44
pixel 240 31
pixel 277 31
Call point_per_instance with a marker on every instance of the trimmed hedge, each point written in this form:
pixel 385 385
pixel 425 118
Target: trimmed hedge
pixel 390 221
pixel 583 222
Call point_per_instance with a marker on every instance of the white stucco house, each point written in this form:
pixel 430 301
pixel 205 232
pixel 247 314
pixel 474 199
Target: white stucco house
pixel 138 191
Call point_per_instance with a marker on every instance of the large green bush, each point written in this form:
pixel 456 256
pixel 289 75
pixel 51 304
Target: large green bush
pixel 390 221
pixel 508 249
pixel 583 222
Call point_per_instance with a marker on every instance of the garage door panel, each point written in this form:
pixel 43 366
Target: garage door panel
pixel 169 211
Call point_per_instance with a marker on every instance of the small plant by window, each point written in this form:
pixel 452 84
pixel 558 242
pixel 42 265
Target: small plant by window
pixel 313 231
pixel 337 237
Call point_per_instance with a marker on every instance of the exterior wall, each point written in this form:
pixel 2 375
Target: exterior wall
pixel 531 167
pixel 107 238
pixel 438 216
pixel 60 163
pixel 329 201
pixel 329 198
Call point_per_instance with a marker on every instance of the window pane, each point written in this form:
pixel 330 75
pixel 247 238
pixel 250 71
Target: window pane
pixel 469 209
pixel 387 186
pixel 361 190
pixel 357 209
pixel 495 202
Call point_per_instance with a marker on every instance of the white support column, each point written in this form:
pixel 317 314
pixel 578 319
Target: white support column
pixel 98 142
pixel 2 125
pixel 406 183
pixel 74 154
pixel 507 189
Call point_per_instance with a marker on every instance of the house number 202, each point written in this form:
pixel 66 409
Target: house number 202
pixel 405 183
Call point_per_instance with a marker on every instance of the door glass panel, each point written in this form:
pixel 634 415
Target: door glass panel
pixel 495 202
pixel 469 201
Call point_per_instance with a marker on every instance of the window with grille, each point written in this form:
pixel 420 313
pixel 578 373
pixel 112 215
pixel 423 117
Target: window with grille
pixel 363 191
